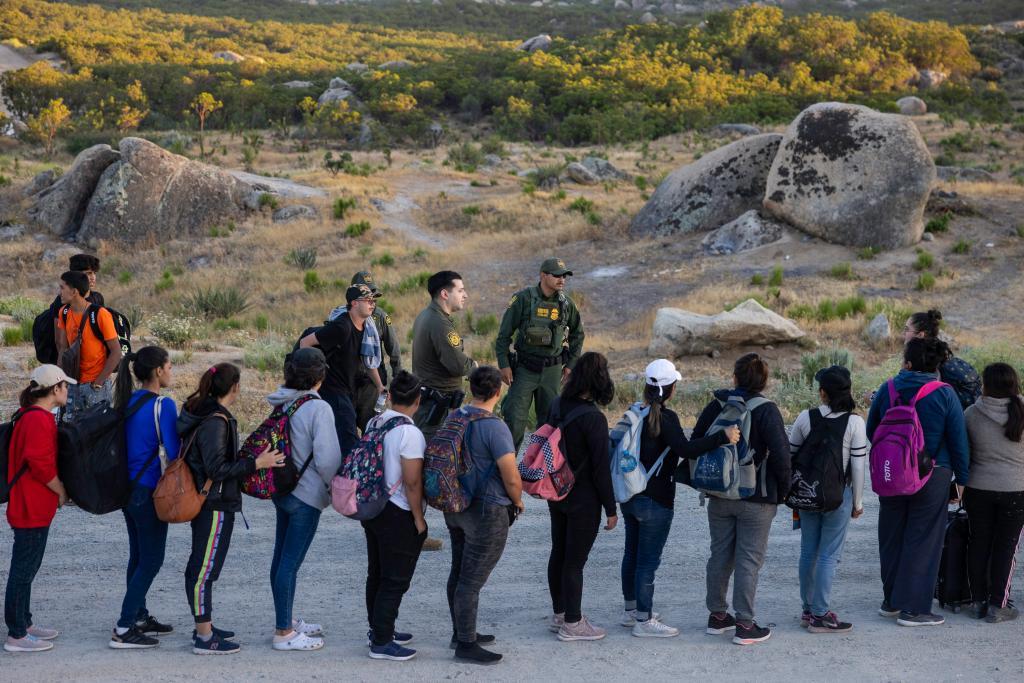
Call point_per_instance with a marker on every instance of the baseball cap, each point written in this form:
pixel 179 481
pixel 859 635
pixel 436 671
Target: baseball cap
pixel 365 277
pixel 661 373
pixel 834 378
pixel 554 266
pixel 46 376
pixel 308 358
pixel 360 292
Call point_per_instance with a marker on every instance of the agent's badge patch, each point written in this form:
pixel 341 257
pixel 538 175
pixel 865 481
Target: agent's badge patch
pixel 454 339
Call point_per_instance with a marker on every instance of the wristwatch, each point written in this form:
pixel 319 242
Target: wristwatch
pixel 97 386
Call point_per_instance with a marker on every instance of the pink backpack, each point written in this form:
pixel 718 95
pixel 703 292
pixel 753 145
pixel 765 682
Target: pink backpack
pixel 900 466
pixel 545 472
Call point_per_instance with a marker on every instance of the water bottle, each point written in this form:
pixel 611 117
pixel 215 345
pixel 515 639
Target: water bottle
pixel 382 401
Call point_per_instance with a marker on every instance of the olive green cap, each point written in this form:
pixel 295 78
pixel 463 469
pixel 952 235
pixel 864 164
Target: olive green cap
pixel 554 266
pixel 365 277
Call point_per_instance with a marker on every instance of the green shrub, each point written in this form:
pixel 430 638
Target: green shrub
pixel 342 205
pixel 266 353
pixel 385 260
pixel 217 302
pixel 810 363
pixel 775 280
pixel 641 183
pixel 756 280
pixel 172 331
pixel 493 145
pixel 593 217
pixel 842 271
pixel 267 201
pixel 357 229
pixel 386 306
pixel 962 247
pixel 165 282
pixel 417 282
pixel 484 325
pixel 223 324
pixel 465 157
pixel 1020 231
pixel 582 204
pixel 471 210
pixel 558 196
pixel 925 281
pixel 529 188
pixel 261 322
pixel 304 258
pixel 868 253
pixel 829 309
pixel 311 282
pixel 21 308
pixel 939 223
pixel 26 329
pixel 12 336
pixel 124 277
pixel 924 260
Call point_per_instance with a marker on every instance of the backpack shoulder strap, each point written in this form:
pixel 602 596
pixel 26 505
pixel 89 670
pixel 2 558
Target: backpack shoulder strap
pixel 756 402
pixel 816 418
pixel 928 388
pixel 92 313
pixel 894 396
pixel 131 411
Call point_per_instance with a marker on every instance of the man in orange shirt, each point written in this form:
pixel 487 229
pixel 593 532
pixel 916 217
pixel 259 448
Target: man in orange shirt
pixel 99 355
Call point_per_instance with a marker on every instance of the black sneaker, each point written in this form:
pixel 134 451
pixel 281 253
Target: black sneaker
pixel 828 623
pixel 214 646
pixel 887 610
pixel 396 636
pixel 997 615
pixel 219 632
pixel 481 639
pixel 748 634
pixel 132 639
pixel 153 627
pixel 720 623
pixel 979 609
pixel 474 654
pixel 926 619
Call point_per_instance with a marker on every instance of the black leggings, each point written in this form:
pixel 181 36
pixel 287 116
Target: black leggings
pixel 996 519
pixel 574 524
pixel 211 536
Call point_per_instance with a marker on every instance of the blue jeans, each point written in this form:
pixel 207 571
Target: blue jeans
pixel 344 419
pixel 26 556
pixel 822 535
pixel 147 539
pixel 84 396
pixel 647 527
pixel 296 526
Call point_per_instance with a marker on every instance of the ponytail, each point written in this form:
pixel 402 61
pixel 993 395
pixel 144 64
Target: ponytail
pixel 33 394
pixel 217 382
pixel 144 363
pixel 655 397
pixel 999 380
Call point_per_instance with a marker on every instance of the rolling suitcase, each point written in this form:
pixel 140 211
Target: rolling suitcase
pixel 953 588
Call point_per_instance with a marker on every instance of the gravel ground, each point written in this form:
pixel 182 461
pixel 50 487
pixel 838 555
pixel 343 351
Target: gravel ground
pixel 79 590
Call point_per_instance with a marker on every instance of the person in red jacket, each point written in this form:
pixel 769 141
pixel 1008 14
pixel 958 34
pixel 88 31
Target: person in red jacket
pixel 35 494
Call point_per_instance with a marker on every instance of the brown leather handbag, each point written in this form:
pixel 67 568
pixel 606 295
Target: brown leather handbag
pixel 175 498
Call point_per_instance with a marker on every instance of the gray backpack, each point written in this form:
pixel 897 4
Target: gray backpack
pixel 729 471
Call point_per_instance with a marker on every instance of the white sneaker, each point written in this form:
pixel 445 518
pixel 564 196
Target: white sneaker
pixel 27 644
pixel 307 629
pixel 629 617
pixel 556 622
pixel 652 628
pixel 40 633
pixel 298 642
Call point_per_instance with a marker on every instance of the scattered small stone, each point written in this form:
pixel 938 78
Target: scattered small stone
pixel 928 237
pixel 878 330
pixel 11 232
pixel 990 244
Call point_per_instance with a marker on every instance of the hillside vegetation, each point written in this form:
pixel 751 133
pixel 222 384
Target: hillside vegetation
pixel 144 69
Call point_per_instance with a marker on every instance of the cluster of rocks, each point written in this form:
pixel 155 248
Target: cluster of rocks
pixel 841 172
pixel 137 192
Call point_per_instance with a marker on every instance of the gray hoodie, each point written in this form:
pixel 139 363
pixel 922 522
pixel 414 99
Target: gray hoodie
pixel 312 431
pixel 997 464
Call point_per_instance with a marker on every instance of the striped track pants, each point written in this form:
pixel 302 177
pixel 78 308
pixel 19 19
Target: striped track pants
pixel 211 536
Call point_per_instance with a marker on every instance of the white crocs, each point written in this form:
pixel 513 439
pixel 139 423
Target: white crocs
pixel 307 629
pixel 299 642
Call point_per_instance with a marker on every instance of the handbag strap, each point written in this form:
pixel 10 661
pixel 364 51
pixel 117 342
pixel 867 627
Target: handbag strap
pixel 192 439
pixel 653 472
pixel 131 411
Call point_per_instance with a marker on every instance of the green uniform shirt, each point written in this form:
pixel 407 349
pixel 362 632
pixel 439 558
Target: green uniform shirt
pixel 541 325
pixel 438 353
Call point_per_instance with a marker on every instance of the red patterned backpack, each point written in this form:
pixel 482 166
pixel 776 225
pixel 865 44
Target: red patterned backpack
pixel 275 433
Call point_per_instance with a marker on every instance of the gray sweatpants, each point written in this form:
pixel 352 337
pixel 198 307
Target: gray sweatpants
pixel 739 540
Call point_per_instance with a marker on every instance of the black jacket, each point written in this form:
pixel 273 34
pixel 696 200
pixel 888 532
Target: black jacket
pixel 585 445
pixel 661 488
pixel 768 438
pixel 214 455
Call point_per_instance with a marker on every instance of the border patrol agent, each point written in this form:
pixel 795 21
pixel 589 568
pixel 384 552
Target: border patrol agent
pixel 366 393
pixel 548 339
pixel 438 352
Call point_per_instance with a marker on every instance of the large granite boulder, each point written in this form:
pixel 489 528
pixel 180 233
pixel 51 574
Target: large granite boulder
pixel 40 182
pixel 59 207
pixel 537 43
pixel 853 176
pixel 711 191
pixel 682 333
pixel 912 106
pixel 151 194
pixel 749 231
pixel 581 174
pixel 603 169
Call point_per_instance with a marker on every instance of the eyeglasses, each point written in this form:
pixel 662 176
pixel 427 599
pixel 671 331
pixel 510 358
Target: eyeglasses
pixel 557 277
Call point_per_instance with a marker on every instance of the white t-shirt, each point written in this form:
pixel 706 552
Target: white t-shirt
pixel 404 441
pixel 855 446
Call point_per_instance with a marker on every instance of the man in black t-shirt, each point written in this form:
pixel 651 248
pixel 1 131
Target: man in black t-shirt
pixel 340 340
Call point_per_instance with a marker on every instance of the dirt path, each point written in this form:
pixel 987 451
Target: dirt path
pixel 401 213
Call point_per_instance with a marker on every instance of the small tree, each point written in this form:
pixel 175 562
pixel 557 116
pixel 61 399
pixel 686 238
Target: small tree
pixel 48 122
pixel 203 105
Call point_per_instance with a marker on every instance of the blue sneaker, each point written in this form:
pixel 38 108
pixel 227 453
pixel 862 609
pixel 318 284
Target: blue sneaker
pixel 397 636
pixel 214 646
pixel 219 632
pixel 392 651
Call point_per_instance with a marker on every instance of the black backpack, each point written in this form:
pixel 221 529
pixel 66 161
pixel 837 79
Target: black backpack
pixel 819 478
pixel 92 457
pixel 122 326
pixel 953 586
pixel 961 375
pixel 6 433
pixel 43 331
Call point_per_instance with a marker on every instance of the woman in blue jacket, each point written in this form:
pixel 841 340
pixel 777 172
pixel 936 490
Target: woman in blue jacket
pixel 149 428
pixel 911 528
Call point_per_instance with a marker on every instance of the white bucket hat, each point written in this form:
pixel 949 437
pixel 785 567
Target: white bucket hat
pixel 662 373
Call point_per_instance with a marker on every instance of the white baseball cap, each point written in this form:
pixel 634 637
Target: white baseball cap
pixel 661 373
pixel 46 376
